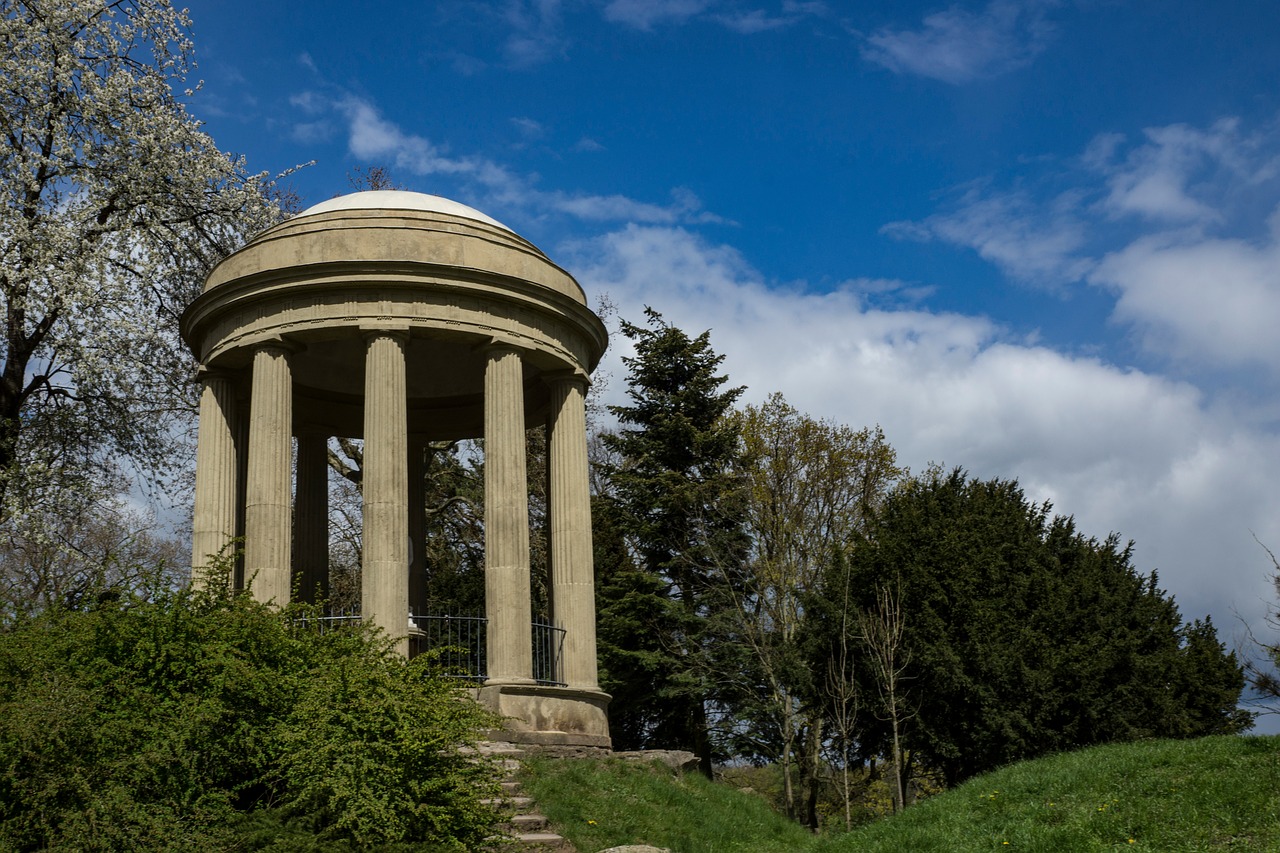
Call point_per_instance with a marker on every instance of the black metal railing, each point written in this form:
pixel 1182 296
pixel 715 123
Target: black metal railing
pixel 460 643
pixel 548 654
pixel 328 622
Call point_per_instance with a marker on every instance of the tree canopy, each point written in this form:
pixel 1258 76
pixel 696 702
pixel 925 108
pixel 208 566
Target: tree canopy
pixel 116 204
pixel 1026 637
pixel 779 583
pixel 811 486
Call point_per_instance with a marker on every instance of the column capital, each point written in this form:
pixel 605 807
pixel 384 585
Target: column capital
pixel 498 346
pixel 372 331
pixel 570 375
pixel 204 373
pixel 279 344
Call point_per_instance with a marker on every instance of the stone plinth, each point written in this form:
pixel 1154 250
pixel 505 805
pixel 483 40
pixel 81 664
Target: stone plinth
pixel 549 716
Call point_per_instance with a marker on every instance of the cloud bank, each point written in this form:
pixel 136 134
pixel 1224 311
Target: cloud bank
pixel 1123 450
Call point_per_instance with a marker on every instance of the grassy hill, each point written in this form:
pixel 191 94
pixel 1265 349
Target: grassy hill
pixel 1220 793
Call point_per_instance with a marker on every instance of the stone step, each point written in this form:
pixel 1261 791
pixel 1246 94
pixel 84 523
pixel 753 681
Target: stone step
pixel 541 841
pixel 520 804
pixel 526 828
pixel 532 822
pixel 493 747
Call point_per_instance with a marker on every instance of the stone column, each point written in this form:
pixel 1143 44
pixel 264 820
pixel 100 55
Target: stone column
pixel 267 528
pixel 311 517
pixel 572 570
pixel 417 528
pixel 506 521
pixel 214 522
pixel 385 569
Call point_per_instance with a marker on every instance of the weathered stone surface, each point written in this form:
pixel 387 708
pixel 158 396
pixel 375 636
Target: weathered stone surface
pixel 544 716
pixel 385 570
pixel 676 759
pixel 268 526
pixel 506 521
pixel 214 522
pixel 572 576
pixel 636 848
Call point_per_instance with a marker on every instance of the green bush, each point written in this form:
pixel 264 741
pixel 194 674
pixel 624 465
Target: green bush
pixel 165 721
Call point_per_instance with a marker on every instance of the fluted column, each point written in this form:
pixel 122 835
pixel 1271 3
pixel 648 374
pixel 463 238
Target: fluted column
pixel 385 570
pixel 311 517
pixel 214 521
pixel 417 528
pixel 506 520
pixel 268 504
pixel 572 572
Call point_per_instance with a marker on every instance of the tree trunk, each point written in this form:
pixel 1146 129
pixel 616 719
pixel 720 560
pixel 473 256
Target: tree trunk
pixel 815 773
pixel 702 737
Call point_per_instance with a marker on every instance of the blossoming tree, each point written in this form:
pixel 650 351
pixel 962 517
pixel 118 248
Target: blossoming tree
pixel 115 204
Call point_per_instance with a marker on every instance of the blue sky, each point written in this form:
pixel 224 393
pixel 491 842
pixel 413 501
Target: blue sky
pixel 1035 239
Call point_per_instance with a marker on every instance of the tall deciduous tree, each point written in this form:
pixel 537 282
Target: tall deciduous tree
pixel 82 550
pixel 679 501
pixel 811 485
pixel 115 205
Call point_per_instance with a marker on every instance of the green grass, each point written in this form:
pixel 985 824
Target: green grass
pixel 1220 793
pixel 601 804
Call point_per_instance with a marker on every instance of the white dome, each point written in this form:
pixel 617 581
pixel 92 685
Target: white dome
pixel 400 200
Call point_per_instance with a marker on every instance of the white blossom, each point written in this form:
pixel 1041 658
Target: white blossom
pixel 115 204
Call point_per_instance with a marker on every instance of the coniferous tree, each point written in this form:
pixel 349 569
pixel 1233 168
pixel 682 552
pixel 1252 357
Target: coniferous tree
pixel 1025 636
pixel 679 505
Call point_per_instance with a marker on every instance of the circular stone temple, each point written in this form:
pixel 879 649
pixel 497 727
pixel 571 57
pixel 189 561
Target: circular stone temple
pixel 401 318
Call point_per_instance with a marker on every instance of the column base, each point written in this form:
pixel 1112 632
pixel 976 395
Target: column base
pixel 548 716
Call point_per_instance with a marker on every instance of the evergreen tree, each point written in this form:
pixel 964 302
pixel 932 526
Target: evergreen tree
pixel 1026 637
pixel 679 504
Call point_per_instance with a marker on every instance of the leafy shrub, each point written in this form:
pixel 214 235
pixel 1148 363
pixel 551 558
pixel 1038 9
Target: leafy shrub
pixel 161 721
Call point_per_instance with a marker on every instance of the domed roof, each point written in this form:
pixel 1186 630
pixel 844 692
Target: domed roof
pixel 400 200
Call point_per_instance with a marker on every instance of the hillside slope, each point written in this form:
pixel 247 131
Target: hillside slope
pixel 1220 793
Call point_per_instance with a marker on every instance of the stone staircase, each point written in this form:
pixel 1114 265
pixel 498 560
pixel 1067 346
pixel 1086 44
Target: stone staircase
pixel 526 825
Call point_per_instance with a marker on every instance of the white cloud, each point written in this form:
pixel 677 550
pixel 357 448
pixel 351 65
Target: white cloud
pixel 751 21
pixel 529 128
pixel 754 21
pixel 1120 449
pixel 956 45
pixel 1027 240
pixel 645 14
pixel 1196 299
pixel 538 34
pixel 312 132
pixel 374 139
pixel 1140 222
pixel 684 207
pixel 1181 174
